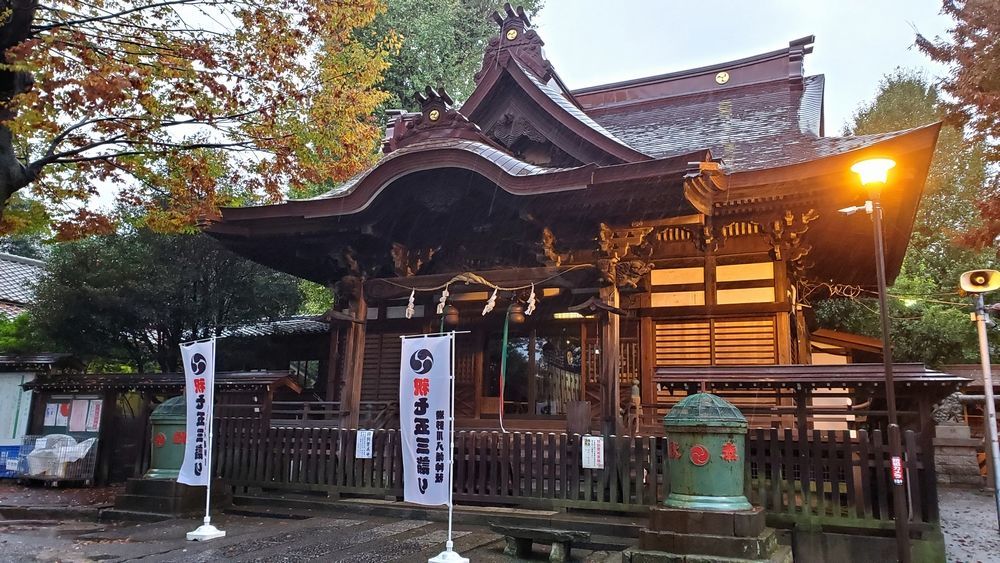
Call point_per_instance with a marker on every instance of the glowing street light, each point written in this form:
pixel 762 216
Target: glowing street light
pixel 874 170
pixel 874 174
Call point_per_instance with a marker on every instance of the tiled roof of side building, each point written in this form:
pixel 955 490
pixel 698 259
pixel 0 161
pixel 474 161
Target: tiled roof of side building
pixel 736 123
pixel 17 278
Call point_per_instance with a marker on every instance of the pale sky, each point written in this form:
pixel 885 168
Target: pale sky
pixel 857 41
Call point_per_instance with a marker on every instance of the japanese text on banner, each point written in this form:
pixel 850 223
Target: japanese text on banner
pixel 425 414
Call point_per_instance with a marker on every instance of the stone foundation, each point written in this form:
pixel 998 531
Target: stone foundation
pixel 955 459
pixel 169 498
pixel 693 536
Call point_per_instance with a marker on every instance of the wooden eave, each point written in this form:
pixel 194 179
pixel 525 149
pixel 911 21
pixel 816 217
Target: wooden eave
pixel 508 66
pixel 846 340
pixel 810 375
pixel 842 246
pixel 591 179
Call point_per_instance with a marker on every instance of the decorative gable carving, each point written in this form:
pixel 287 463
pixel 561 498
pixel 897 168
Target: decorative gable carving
pixel 526 142
pixel 436 114
pixel 516 39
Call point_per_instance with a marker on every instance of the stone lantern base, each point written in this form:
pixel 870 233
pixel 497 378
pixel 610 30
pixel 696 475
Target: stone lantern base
pixel 678 535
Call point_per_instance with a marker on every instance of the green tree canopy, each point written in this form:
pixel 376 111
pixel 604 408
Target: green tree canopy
pixel 134 296
pixel 926 326
pixel 442 44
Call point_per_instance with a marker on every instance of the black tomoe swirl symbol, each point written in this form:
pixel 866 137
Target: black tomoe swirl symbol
pixel 198 364
pixel 421 361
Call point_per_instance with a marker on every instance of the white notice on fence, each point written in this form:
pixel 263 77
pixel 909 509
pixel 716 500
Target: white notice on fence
pixel 78 415
pixel 94 415
pixel 593 452
pixel 11 464
pixel 363 444
pixel 50 414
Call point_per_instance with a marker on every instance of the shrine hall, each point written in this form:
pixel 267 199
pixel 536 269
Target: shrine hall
pixel 610 249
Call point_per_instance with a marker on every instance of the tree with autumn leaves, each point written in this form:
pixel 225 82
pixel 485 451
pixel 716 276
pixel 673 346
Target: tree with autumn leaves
pixel 182 105
pixel 972 52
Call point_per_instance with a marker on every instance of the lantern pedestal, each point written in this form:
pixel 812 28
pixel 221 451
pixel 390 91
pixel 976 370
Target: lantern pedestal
pixel 679 534
pixel 168 499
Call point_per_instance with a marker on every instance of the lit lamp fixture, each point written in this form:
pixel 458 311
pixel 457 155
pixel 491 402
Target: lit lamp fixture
pixel 873 170
pixel 874 173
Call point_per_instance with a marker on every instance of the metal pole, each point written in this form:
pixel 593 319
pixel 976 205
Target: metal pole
pixel 900 510
pixel 991 409
pixel 450 545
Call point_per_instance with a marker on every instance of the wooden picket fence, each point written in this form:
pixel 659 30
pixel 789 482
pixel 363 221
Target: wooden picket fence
pixel 828 476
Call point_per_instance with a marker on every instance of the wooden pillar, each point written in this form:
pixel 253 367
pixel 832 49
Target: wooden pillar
pixel 532 373
pixel 801 412
pixel 802 336
pixel 611 420
pixel 647 360
pixel 354 353
pixel 333 363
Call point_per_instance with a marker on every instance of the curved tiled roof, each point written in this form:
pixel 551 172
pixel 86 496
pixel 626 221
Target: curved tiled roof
pixel 756 126
pixel 507 163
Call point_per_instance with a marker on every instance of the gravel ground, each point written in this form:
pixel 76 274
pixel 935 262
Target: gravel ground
pixel 968 520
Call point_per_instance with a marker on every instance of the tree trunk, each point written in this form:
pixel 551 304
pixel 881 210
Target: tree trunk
pixel 14 175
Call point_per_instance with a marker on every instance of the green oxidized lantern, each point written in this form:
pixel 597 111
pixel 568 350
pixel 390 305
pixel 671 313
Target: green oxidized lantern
pixel 706 447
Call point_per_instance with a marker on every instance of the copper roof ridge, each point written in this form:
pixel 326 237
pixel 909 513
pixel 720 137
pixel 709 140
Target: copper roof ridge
pixel 614 106
pixel 708 69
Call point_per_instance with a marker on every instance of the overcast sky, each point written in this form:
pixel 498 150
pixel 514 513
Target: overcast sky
pixel 857 41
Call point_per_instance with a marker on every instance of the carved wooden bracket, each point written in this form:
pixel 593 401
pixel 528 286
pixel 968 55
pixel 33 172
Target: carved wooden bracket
pixel 617 242
pixel 407 262
pixel 785 235
pixel 703 182
pixel 549 255
pixel 628 273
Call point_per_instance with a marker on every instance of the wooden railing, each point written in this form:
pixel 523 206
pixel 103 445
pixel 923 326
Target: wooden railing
pixel 828 476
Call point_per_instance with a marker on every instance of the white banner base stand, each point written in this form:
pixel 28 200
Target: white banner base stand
pixel 448 556
pixel 207 532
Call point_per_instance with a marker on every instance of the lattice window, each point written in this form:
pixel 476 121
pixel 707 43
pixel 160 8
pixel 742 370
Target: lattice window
pixel 716 342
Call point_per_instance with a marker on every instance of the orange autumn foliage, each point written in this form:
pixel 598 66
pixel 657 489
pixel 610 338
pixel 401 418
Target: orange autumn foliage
pixel 182 106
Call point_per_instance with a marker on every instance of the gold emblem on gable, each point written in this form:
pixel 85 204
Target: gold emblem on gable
pixel 722 77
pixel 511 34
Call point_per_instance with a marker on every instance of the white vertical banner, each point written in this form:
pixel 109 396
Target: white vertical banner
pixel 425 374
pixel 199 390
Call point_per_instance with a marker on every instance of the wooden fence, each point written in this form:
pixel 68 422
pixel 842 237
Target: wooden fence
pixel 827 476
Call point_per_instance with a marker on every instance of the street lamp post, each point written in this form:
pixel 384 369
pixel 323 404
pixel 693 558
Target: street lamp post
pixel 873 174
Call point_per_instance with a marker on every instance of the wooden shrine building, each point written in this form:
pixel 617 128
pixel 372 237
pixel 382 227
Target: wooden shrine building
pixel 663 232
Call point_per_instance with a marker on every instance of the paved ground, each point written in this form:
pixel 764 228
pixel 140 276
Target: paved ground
pixel 968 519
pixel 52 525
pixel 334 538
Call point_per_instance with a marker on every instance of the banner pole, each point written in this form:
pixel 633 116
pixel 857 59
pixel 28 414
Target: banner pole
pixel 207 531
pixel 451 448
pixel 449 555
